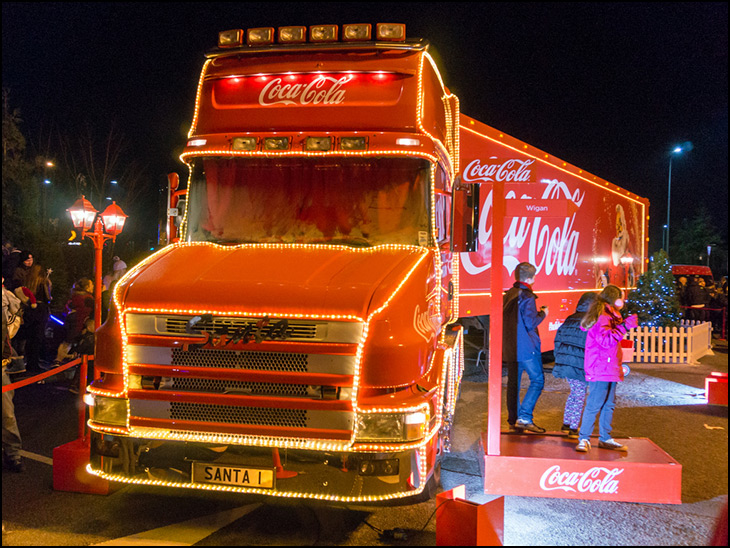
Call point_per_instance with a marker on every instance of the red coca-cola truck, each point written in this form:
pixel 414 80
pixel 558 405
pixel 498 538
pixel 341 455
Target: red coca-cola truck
pixel 299 335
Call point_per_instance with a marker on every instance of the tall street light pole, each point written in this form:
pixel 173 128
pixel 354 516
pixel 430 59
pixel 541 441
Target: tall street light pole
pixel 677 150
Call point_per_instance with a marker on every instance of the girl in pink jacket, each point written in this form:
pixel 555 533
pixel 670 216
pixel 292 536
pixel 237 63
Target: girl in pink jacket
pixel 606 327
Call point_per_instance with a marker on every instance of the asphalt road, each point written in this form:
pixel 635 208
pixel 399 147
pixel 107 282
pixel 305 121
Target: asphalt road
pixel 663 403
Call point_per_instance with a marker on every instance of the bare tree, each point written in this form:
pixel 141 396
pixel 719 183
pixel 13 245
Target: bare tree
pixel 93 160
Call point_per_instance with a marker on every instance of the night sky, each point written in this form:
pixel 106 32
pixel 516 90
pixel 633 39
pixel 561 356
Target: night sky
pixel 611 88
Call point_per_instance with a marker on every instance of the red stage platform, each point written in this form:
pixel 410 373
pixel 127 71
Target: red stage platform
pixel 548 465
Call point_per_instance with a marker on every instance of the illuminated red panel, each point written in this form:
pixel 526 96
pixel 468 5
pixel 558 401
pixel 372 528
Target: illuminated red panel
pixel 306 90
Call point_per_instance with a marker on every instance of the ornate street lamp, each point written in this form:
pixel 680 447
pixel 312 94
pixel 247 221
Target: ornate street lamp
pixel 83 214
pixel 99 228
pixel 113 218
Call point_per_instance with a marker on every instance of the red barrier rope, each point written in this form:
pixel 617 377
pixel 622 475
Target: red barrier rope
pixel 35 379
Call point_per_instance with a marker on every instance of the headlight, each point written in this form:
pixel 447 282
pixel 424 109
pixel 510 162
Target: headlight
pixel 391 427
pixel 109 410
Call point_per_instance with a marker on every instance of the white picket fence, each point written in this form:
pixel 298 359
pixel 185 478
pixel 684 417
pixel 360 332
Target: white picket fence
pixel 685 344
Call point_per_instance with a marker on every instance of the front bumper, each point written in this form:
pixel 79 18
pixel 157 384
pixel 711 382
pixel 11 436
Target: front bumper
pixel 333 476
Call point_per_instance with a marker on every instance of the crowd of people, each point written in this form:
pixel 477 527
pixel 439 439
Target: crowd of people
pixel 703 300
pixel 27 302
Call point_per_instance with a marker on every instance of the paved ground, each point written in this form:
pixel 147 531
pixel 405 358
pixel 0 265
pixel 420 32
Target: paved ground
pixel 664 403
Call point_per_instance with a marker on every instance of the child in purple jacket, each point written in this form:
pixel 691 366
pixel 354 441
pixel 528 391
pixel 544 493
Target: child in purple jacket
pixel 606 327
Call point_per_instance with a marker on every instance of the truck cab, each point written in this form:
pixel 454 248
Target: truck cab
pixel 297 335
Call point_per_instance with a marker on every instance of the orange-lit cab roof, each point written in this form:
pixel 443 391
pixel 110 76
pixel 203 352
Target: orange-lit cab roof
pixel 378 91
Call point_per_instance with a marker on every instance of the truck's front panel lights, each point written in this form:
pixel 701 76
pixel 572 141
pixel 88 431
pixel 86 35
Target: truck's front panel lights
pixel 244 143
pixel 354 143
pixel 321 144
pixel 276 143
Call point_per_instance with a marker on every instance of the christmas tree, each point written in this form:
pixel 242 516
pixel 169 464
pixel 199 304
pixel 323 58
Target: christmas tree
pixel 655 299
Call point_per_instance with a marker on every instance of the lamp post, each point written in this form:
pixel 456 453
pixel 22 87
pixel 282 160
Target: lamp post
pixel 99 228
pixel 47 164
pixel 686 147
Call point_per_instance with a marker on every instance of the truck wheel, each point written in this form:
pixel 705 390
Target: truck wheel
pixel 432 485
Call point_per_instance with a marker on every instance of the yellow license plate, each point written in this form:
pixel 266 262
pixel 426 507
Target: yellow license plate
pixel 238 476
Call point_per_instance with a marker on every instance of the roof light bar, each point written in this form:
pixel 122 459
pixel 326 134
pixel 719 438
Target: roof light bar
pixel 260 36
pixel 323 33
pixel 357 33
pixel 292 35
pixel 391 32
pixel 230 38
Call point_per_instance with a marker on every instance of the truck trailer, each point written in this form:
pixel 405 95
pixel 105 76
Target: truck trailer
pixel 301 333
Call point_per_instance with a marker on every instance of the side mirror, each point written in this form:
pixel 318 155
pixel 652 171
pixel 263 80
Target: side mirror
pixel 465 205
pixel 175 207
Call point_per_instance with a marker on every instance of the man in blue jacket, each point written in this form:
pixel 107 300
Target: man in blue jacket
pixel 521 349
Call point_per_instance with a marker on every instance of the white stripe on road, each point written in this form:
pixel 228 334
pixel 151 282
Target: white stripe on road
pixel 34 456
pixel 185 533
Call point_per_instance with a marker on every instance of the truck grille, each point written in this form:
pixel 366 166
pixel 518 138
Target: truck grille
pixel 226 359
pixel 286 418
pixel 181 382
pixel 219 326
pixel 213 386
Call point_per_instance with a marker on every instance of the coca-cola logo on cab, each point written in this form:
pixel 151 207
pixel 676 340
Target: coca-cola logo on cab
pixel 496 169
pixel 322 90
pixel 595 480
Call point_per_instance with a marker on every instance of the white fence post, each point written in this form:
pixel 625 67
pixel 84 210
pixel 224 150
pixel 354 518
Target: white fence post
pixel 686 344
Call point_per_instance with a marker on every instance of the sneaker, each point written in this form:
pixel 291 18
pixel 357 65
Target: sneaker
pixel 612 444
pixel 572 433
pixel 583 446
pixel 565 428
pixel 529 427
pixel 512 429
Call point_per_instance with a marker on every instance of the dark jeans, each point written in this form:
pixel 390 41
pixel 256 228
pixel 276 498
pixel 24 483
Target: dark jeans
pixel 523 411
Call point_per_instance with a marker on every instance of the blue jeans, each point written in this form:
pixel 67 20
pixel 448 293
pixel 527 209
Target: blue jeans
pixel 515 409
pixel 601 399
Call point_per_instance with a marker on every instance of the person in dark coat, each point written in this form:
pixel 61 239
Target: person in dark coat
pixel 20 274
pixel 570 345
pixel 697 299
pixel 521 349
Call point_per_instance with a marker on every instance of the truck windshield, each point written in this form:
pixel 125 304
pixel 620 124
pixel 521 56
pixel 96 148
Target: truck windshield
pixel 345 201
